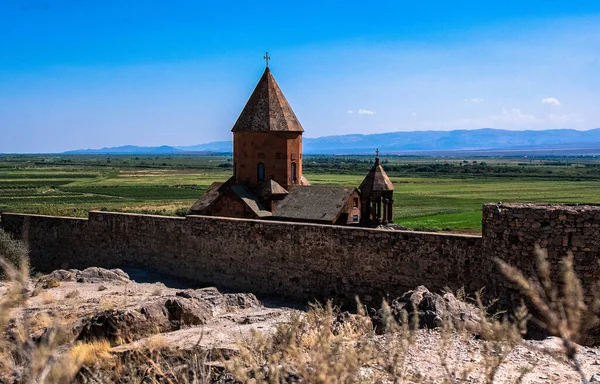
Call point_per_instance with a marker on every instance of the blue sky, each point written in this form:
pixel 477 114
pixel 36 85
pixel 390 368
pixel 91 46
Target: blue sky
pixel 88 74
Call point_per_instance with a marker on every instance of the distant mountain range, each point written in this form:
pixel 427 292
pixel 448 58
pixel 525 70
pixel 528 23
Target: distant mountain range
pixel 485 140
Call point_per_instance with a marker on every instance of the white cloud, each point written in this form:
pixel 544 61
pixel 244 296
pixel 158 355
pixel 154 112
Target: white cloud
pixel 350 111
pixel 564 119
pixel 414 114
pixel 515 116
pixel 509 118
pixel 474 100
pixel 362 111
pixel 550 100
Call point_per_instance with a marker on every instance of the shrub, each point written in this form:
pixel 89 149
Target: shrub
pixel 182 212
pixel 13 251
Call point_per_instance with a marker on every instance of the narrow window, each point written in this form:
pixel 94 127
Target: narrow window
pixel 260 172
pixel 294 176
pixel 356 202
pixel 355 218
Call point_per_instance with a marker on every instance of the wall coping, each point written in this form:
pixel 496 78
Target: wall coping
pixel 92 213
pixel 343 227
pixel 44 216
pixel 548 207
pixel 255 221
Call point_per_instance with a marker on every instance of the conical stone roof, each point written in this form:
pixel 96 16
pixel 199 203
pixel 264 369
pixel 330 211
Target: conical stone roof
pixel 376 181
pixel 267 110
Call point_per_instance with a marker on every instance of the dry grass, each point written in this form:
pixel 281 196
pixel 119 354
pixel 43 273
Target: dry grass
pixel 72 294
pixel 21 359
pixel 108 303
pixel 40 320
pixel 560 306
pixel 47 298
pixel 326 346
pixel 155 343
pixel 90 354
pixel 48 282
pixel 316 348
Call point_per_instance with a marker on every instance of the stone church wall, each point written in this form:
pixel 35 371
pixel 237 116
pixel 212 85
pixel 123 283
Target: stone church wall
pixel 302 261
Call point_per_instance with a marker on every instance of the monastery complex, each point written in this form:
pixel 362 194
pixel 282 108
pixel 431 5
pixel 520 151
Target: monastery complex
pixel 267 181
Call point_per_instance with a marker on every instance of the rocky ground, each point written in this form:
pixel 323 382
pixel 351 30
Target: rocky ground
pixel 109 304
pixel 106 304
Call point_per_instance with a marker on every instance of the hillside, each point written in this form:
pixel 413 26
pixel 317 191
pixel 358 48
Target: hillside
pixel 423 142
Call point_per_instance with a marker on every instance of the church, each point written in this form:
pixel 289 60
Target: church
pixel 267 181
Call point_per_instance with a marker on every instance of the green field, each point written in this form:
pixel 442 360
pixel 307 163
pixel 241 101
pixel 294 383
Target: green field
pixel 431 193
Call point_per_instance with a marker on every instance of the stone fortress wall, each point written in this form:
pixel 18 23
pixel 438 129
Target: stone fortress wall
pixel 510 233
pixel 312 261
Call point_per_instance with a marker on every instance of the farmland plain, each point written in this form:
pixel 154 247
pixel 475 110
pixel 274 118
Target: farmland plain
pixel 431 193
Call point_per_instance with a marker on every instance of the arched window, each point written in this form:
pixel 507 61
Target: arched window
pixel 294 175
pixel 260 171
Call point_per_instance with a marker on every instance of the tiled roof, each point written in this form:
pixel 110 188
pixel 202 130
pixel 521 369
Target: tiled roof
pixel 314 203
pixel 376 181
pixel 250 200
pixel 209 196
pixel 267 110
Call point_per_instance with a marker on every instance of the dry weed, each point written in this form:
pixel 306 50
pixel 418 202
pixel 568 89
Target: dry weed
pixel 92 353
pixel 47 297
pixel 39 321
pixel 22 359
pixel 560 306
pixel 319 347
pixel 155 342
pixel 326 346
pixel 48 282
pixel 72 294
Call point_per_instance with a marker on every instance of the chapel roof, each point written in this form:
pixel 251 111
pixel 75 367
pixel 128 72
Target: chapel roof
pixel 376 181
pixel 207 198
pixel 267 110
pixel 269 188
pixel 250 200
pixel 314 203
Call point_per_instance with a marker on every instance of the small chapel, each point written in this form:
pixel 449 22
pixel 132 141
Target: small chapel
pixel 267 181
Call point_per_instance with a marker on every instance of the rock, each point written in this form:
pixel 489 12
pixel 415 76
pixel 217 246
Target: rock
pixel 101 275
pixel 210 295
pixel 551 343
pixel 61 275
pixel 431 309
pixel 242 300
pixel 183 311
pixel 393 227
pixel 88 275
pixel 595 378
pixel 132 323
pixel 116 325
